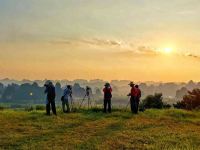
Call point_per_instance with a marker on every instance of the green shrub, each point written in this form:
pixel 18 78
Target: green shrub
pixel 179 105
pixel 2 107
pixel 141 107
pixel 29 108
pixel 40 107
pixel 166 106
pixel 153 101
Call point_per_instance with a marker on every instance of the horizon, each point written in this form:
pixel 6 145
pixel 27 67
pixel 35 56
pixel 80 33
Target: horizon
pixel 89 80
pixel 109 40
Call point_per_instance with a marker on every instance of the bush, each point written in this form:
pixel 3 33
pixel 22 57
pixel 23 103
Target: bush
pixel 179 105
pixel 152 101
pixel 166 106
pixel 40 107
pixel 29 108
pixel 191 100
pixel 2 108
pixel 141 107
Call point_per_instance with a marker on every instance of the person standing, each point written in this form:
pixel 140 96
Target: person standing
pixel 133 95
pixel 138 96
pixel 51 94
pixel 107 97
pixel 65 98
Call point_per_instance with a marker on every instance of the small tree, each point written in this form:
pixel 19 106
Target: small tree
pixel 153 101
pixel 191 100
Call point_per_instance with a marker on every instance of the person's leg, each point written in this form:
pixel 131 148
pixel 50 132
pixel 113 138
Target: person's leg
pixel 138 100
pixel 63 106
pixel 104 105
pixel 132 105
pixel 53 107
pixel 67 104
pixel 109 105
pixel 48 108
pixel 135 105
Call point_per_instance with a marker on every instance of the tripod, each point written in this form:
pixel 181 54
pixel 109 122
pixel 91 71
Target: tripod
pixel 127 105
pixel 87 95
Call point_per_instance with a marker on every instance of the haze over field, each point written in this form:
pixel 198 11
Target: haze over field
pixel 136 40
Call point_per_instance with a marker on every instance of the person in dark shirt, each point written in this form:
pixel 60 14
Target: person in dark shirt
pixel 107 97
pixel 138 96
pixel 50 100
pixel 133 95
pixel 67 94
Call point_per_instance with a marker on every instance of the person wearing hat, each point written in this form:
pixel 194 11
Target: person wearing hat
pixel 133 95
pixel 107 97
pixel 51 94
pixel 65 98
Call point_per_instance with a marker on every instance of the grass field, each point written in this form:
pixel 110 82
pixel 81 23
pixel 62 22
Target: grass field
pixel 152 129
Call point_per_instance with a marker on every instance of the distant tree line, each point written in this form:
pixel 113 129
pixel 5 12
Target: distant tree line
pixel 170 90
pixel 33 93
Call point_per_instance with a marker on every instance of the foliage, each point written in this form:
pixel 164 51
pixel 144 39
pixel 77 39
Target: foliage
pixel 40 107
pixel 191 100
pixel 29 108
pixel 33 93
pixel 2 107
pixel 179 105
pixel 166 106
pixel 153 101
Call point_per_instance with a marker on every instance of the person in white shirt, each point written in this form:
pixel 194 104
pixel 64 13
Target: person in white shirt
pixel 66 97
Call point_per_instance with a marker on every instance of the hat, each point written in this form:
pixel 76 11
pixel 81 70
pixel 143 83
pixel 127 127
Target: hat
pixel 69 86
pixel 131 83
pixel 107 84
pixel 87 87
pixel 137 86
pixel 48 82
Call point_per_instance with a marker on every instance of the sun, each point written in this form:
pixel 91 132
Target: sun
pixel 168 50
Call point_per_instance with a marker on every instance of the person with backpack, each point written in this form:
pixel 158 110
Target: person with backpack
pixel 138 96
pixel 50 101
pixel 133 95
pixel 107 97
pixel 67 94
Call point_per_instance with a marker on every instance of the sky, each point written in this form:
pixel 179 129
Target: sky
pixel 139 40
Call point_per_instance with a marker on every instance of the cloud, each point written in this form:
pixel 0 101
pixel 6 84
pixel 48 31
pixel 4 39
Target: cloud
pixel 192 56
pixel 119 47
pixel 93 41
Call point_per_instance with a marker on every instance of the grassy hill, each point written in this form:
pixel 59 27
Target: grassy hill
pixel 153 129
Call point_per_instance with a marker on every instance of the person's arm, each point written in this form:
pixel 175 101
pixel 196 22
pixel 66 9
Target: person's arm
pixel 129 94
pixel 64 92
pixel 54 90
pixel 140 93
pixel 45 91
pixel 70 93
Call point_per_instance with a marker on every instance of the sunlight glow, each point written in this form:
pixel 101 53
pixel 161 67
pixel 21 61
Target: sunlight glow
pixel 168 50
